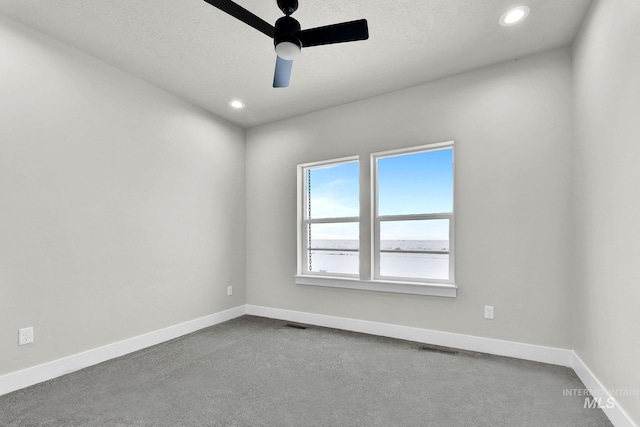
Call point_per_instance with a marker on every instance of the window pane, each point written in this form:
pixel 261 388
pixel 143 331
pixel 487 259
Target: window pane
pixel 333 248
pixel 332 191
pixel 416 183
pixel 415 249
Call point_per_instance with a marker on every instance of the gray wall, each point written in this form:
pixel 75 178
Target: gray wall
pixel 513 128
pixel 121 206
pixel 607 197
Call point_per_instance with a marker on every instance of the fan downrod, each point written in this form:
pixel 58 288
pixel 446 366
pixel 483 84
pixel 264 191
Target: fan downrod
pixel 288 6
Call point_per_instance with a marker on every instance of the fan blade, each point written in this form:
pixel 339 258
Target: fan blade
pixel 337 33
pixel 282 75
pixel 244 15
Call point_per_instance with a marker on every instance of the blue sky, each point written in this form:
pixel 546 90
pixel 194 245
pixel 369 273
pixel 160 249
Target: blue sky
pixel 408 184
pixel 334 191
pixel 417 183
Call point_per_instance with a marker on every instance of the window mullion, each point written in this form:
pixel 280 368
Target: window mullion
pixel 371 187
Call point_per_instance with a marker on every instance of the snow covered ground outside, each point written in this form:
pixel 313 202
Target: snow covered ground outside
pixel 341 256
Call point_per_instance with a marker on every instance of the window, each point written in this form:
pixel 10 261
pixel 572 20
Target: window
pixel 405 229
pixel 330 228
pixel 413 219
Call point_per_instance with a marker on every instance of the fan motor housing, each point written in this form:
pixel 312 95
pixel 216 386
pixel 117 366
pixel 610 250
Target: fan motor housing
pixel 286 29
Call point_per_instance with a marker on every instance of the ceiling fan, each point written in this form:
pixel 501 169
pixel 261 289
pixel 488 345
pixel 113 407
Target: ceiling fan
pixel 287 36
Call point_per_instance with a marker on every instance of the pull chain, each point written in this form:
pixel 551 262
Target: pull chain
pixel 309 215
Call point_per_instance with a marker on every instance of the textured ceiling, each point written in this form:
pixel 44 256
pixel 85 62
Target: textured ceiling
pixel 200 54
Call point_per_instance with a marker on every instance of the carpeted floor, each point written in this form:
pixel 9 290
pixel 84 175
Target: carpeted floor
pixel 254 371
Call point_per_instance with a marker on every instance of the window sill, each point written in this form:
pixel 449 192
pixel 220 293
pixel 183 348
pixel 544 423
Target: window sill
pixel 433 289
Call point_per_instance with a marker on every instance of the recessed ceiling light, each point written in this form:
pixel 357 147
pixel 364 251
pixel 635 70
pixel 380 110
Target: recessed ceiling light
pixel 514 15
pixel 238 105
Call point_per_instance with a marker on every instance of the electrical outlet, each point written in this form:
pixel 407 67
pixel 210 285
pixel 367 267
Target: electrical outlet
pixel 488 312
pixel 229 290
pixel 25 336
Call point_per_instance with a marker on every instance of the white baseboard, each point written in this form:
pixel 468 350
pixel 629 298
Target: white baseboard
pixel 536 353
pixel 610 406
pixel 46 371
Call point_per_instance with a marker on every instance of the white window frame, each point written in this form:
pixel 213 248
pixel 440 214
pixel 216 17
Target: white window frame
pixel 376 219
pixel 368 278
pixel 304 222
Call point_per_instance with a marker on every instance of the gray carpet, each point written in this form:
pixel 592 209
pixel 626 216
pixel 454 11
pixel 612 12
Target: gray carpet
pixel 254 371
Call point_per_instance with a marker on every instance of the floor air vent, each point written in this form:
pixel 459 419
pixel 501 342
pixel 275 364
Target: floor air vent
pixel 438 349
pixel 291 325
